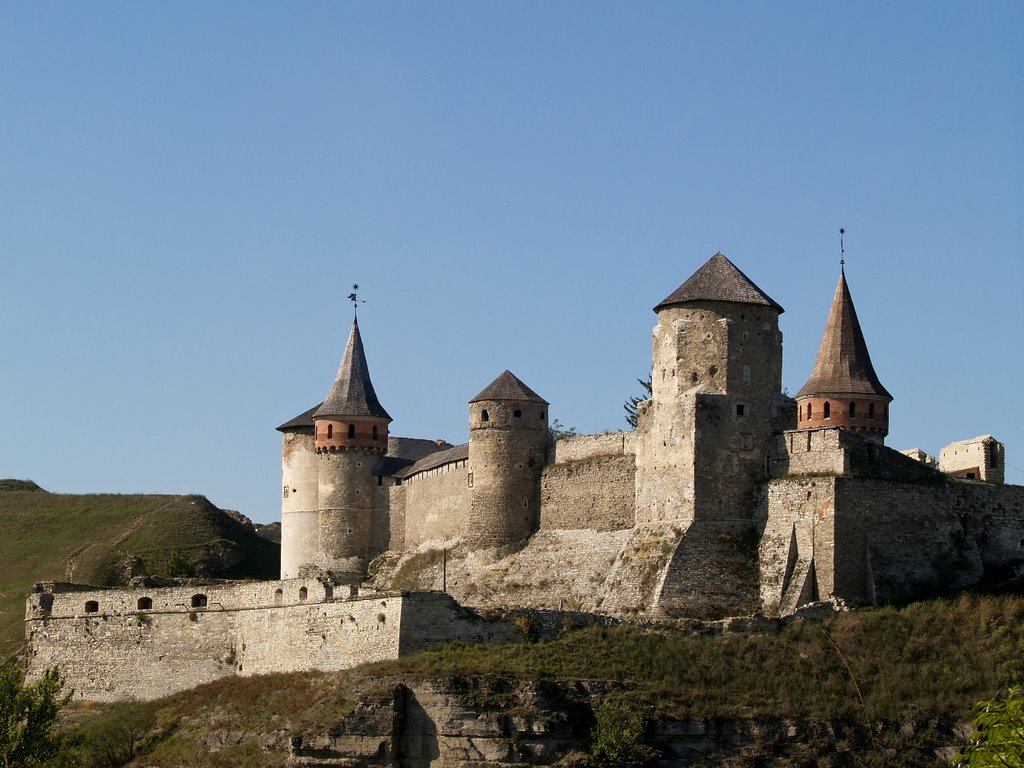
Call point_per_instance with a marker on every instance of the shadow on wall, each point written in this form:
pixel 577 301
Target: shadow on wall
pixel 415 737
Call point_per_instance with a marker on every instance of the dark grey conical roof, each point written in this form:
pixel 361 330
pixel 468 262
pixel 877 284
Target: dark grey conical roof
pixel 719 280
pixel 303 421
pixel 843 366
pixel 352 392
pixel 508 387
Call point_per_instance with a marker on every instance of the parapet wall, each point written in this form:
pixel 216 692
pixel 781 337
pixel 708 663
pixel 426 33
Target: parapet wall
pixel 590 446
pixel 119 652
pixel 597 493
pixel 835 451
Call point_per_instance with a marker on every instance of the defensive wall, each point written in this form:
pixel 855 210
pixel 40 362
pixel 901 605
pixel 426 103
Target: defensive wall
pixel 111 649
pixel 591 484
pixel 848 517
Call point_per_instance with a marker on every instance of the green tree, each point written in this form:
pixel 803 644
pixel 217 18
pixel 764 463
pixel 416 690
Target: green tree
pixel 998 740
pixel 617 735
pixel 28 714
pixel 630 405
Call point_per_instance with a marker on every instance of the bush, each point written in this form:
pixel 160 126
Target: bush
pixel 616 741
pixel 28 714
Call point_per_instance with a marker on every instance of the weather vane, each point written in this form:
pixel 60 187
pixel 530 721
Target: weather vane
pixel 842 251
pixel 354 298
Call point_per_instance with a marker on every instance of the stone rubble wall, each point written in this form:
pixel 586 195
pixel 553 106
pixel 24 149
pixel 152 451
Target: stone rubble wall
pixel 596 492
pixel 435 503
pixel 119 652
pixel 583 447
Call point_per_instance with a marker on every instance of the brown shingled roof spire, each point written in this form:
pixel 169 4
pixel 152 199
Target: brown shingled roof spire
pixel 352 392
pixel 508 387
pixel 843 367
pixel 719 280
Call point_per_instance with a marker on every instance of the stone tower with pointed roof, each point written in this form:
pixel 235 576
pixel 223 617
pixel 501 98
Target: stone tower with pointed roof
pixel 350 433
pixel 843 389
pixel 508 431
pixel 716 398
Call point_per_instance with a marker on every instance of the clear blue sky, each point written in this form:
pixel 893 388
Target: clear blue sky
pixel 187 190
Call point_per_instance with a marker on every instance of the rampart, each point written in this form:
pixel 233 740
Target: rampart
pixel 583 447
pixel 110 648
pixel 596 492
pixel 435 502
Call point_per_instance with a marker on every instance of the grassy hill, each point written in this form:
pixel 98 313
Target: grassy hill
pixel 104 539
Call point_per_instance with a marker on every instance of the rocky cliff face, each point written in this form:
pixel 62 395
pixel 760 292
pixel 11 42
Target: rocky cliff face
pixel 490 722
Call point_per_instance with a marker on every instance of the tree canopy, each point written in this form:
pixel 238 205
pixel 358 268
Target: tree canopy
pixel 28 714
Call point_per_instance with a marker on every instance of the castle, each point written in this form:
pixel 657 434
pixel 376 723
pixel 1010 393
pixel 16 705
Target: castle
pixel 729 498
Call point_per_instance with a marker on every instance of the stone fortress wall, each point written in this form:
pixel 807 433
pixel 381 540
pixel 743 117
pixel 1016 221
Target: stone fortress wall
pixel 187 636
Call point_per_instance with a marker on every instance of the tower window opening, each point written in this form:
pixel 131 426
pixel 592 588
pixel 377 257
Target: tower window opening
pixel 542 414
pixel 91 606
pixel 330 431
pixel 303 594
pixel 517 413
pixel 278 596
pixel 853 409
pixel 484 415
pixel 741 410
pixel 809 409
pixel 198 601
pixel 380 480
pixel 871 410
pixel 374 431
pixel 351 431
pixel 144 604
pixel 828 410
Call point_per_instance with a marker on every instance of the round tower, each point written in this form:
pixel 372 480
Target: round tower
pixel 300 476
pixel 350 432
pixel 508 432
pixel 843 389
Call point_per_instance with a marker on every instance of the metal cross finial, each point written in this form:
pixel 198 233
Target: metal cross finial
pixel 842 251
pixel 354 298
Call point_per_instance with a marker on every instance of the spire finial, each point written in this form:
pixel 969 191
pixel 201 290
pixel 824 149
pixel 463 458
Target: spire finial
pixel 356 301
pixel 842 252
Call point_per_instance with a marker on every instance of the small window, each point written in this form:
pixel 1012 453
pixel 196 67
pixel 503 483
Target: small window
pixel 542 414
pixel 285 492
pixel 398 481
pixel 809 411
pixel 380 480
pixel 303 594
pixel 517 413
pixel 484 415
pixel 351 431
pixel 330 431
pixel 91 606
pixel 828 410
pixel 145 603
pixel 278 596
pixel 871 410
pixel 470 479
pixel 374 431
pixel 741 410
pixel 198 601
pixel 853 409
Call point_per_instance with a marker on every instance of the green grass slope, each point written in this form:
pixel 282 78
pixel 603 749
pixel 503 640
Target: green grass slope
pixel 105 538
pixel 894 679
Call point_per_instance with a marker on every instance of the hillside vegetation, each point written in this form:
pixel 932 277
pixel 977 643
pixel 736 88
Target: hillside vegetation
pixel 883 686
pixel 105 539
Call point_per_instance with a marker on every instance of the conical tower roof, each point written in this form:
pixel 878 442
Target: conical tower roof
pixel 719 280
pixel 508 387
pixel 352 392
pixel 843 366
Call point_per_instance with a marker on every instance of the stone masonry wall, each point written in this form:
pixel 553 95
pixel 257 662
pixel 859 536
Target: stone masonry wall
pixel 436 503
pixel 119 652
pixel 597 493
pixel 588 446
